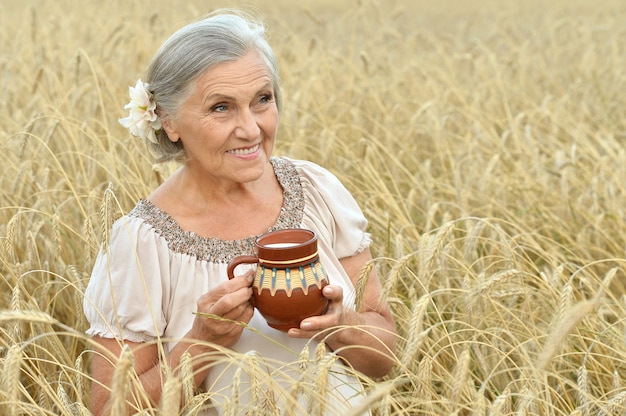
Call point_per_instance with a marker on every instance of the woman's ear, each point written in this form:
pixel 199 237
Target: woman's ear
pixel 169 126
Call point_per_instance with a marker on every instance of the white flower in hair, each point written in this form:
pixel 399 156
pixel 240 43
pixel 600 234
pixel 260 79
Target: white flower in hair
pixel 142 120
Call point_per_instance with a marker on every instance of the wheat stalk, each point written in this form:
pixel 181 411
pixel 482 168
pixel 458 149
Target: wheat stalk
pixel 79 376
pixel 198 404
pixel 187 377
pixel 526 405
pixel 617 381
pixel 121 381
pixel 170 396
pixel 562 329
pixel 361 284
pixel 91 244
pixel 424 378
pixel 44 394
pixel 486 285
pixel 16 331
pixel 78 293
pixel 479 403
pixel 107 213
pixel 269 405
pixel 79 409
pixel 232 405
pixel 31 261
pixel 431 246
pixel 460 376
pixel 471 241
pixel 316 405
pixel 56 235
pixel 416 334
pixel 64 401
pixel 9 240
pixel 255 374
pixel 501 406
pixel 29 315
pixel 381 393
pixel 565 299
pixel 582 382
pixel 11 383
pixel 396 275
pixel 616 406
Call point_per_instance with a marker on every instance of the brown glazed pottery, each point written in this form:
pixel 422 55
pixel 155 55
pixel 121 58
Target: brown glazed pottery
pixel 289 277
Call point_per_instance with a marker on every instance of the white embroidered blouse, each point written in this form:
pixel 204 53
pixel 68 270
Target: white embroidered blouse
pixel 146 283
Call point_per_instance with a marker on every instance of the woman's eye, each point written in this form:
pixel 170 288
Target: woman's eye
pixel 220 108
pixel 266 98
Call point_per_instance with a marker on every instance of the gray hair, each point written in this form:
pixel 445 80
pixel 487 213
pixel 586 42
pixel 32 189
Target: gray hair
pixel 222 36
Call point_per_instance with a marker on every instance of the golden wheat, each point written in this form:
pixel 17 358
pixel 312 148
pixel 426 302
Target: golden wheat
pixel 171 396
pixel 122 379
pixel 502 404
pixel 460 376
pixel 583 390
pixel 11 369
pixel 485 144
pixel 187 377
pixel 562 329
pixel 232 405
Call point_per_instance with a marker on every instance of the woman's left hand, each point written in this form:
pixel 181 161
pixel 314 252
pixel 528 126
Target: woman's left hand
pixel 335 316
pixel 344 329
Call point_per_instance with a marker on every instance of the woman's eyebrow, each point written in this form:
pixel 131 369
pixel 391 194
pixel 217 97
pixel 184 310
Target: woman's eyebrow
pixel 218 96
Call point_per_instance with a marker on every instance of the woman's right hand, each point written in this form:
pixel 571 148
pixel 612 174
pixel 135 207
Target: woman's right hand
pixel 229 300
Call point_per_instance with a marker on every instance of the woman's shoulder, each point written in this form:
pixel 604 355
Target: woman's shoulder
pixel 320 187
pixel 149 213
pixel 302 168
pixel 144 221
pixel 286 161
pixel 314 176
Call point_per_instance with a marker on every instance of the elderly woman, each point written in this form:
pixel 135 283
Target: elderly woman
pixel 212 101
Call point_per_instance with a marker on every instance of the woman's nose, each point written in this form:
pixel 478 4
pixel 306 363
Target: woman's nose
pixel 247 125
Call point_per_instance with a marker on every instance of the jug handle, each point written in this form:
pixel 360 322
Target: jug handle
pixel 236 261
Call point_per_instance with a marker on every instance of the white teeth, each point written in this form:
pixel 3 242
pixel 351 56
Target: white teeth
pixel 244 151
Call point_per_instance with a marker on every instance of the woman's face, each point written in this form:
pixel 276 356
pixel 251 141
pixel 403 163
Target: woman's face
pixel 228 123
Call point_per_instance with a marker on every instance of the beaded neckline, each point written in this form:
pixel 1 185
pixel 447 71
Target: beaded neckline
pixel 214 249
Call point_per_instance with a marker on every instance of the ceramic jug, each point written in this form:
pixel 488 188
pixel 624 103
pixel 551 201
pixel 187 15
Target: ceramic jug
pixel 289 278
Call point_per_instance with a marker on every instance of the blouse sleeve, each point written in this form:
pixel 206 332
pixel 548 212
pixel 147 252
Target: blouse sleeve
pixel 126 293
pixel 333 209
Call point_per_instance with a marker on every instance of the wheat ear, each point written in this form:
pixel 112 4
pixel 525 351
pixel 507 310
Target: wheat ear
pixel 583 390
pixel 11 382
pixel 460 375
pixel 121 381
pixel 170 396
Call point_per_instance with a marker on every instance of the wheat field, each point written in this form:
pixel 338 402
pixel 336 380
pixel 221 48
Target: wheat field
pixel 486 145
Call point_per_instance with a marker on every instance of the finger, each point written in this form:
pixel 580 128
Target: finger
pixel 313 326
pixel 308 333
pixel 333 293
pixel 242 280
pixel 231 301
pixel 242 313
pixel 226 288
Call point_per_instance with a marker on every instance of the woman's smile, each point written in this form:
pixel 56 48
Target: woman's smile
pixel 246 152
